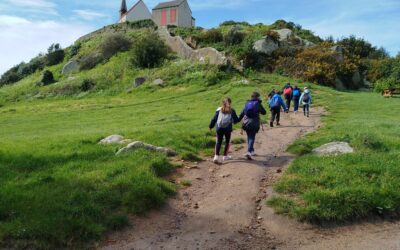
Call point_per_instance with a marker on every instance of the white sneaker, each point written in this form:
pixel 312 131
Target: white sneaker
pixel 248 156
pixel 253 153
pixel 227 158
pixel 216 159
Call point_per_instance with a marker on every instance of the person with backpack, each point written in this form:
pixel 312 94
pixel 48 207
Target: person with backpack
pixel 223 119
pixel 275 104
pixel 251 121
pixel 288 94
pixel 306 101
pixel 296 98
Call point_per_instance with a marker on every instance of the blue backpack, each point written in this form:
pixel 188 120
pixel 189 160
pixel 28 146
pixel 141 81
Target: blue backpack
pixel 274 102
pixel 296 92
pixel 251 109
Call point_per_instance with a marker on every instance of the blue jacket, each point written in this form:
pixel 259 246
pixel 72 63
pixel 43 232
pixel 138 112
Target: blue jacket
pixel 301 102
pixel 277 98
pixel 261 110
pixel 235 119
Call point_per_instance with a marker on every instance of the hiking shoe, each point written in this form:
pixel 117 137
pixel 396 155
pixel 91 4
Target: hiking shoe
pixel 248 156
pixel 227 158
pixel 278 124
pixel 271 124
pixel 216 159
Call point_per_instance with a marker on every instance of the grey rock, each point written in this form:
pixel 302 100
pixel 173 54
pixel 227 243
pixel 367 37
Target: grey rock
pixel 112 139
pixel 138 144
pixel 266 45
pixel 157 82
pixel 70 67
pixel 284 34
pixel 333 148
pixel 139 81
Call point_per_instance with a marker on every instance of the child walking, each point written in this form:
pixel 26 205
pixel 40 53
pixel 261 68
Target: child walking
pixel 223 119
pixel 296 98
pixel 306 101
pixel 275 104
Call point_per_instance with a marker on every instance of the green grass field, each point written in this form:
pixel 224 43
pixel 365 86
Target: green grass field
pixel 347 187
pixel 60 188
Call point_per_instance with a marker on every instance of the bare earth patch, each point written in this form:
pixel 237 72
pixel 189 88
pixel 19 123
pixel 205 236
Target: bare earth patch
pixel 224 208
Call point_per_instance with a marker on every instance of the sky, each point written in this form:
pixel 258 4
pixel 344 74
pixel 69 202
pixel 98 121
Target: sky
pixel 28 27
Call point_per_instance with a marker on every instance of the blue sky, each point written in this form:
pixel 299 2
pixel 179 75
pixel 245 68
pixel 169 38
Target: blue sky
pixel 28 27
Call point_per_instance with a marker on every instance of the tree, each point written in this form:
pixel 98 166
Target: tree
pixel 55 55
pixel 149 51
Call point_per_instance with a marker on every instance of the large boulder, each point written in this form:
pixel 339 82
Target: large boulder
pixel 333 148
pixel 267 45
pixel 70 67
pixel 284 34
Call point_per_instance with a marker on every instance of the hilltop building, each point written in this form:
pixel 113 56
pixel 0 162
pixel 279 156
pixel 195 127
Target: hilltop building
pixel 176 13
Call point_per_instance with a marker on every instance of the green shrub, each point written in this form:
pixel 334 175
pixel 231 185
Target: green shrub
pixel 234 36
pixel 149 51
pixel 87 85
pixel 142 24
pixel 386 83
pixel 55 55
pixel 75 49
pixel 47 77
pixel 90 61
pixel 212 36
pixel 112 44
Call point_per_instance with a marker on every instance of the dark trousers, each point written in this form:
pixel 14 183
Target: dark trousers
pixel 306 109
pixel 221 133
pixel 275 114
pixel 288 100
pixel 296 100
pixel 251 139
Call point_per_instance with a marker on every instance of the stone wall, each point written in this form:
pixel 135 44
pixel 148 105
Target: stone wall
pixel 179 46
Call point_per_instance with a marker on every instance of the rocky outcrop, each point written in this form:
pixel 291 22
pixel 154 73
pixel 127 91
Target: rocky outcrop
pixel 179 46
pixel 70 67
pixel 267 45
pixel 138 145
pixel 287 38
pixel 333 148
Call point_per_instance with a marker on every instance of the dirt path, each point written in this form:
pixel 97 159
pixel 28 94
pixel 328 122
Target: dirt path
pixel 225 207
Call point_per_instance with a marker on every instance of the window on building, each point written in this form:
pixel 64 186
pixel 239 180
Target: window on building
pixel 164 17
pixel 172 17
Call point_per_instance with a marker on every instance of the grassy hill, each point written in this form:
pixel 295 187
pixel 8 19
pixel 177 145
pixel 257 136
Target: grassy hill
pixel 60 188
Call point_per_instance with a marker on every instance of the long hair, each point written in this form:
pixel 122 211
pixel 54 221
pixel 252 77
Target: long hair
pixel 226 105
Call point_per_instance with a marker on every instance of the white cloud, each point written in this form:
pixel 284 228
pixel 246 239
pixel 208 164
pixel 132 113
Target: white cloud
pixel 22 39
pixel 34 6
pixel 89 14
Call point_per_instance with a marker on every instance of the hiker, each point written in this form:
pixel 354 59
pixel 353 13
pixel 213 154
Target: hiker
pixel 275 104
pixel 296 98
pixel 223 119
pixel 251 121
pixel 306 101
pixel 288 94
